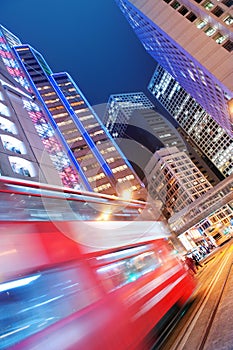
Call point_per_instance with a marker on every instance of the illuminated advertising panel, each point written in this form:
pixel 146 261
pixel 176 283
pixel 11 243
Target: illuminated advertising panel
pixel 11 64
pixel 60 160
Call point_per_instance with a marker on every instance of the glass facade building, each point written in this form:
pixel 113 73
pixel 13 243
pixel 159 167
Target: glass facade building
pixel 200 128
pixel 192 40
pixel 101 166
pixel 120 108
pixel 125 111
pixel 76 140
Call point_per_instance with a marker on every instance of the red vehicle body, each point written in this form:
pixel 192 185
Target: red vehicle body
pixel 70 284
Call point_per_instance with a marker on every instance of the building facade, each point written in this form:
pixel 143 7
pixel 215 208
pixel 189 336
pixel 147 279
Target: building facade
pixel 23 153
pixel 119 110
pixel 73 135
pixel 50 148
pixel 193 41
pixel 135 111
pixel 174 179
pixel 201 130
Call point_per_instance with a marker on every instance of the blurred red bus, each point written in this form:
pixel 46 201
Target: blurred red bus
pixel 71 281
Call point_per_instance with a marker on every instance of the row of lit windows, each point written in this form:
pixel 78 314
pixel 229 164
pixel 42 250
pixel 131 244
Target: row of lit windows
pixel 74 139
pixel 119 168
pixel 102 187
pixel 108 150
pixel 65 122
pixel 86 117
pixel 84 158
pixel 76 103
pixel 96 177
pixel 201 24
pixel 126 178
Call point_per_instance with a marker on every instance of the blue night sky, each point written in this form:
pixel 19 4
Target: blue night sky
pixel 90 39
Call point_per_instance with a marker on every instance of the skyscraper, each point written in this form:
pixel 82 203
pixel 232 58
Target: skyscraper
pixel 36 112
pixel 120 108
pixel 84 145
pixel 201 130
pixel 133 116
pixel 192 41
pixel 174 179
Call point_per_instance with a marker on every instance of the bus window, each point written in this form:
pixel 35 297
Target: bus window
pixel 125 271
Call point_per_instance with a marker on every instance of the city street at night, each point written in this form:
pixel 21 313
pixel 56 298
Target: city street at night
pixel 207 324
pixel 116 175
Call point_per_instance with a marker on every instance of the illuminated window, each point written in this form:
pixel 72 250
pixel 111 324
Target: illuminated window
pixel 8 126
pixel 219 38
pixel 210 31
pixel 208 5
pixel 201 24
pixel 12 144
pixel 22 166
pixel 228 20
pixel 4 110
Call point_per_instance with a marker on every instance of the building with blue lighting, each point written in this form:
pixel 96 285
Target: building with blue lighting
pixel 90 150
pixel 22 153
pixel 193 41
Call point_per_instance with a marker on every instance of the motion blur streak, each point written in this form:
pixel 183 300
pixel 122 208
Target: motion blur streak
pixel 69 281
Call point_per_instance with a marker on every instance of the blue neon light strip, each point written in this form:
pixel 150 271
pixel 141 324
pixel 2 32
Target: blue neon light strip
pixel 109 136
pixel 67 148
pixel 81 128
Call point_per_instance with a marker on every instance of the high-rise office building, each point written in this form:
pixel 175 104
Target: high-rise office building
pixel 51 144
pixel 24 153
pixel 138 129
pixel 120 107
pixel 174 179
pixel 101 165
pixel 201 130
pixel 83 143
pixel 135 111
pixel 193 41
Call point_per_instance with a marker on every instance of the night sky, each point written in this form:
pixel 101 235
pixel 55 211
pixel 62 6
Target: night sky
pixel 90 39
